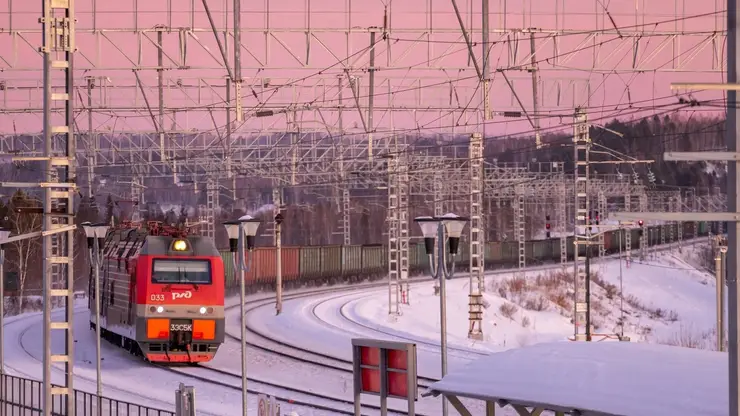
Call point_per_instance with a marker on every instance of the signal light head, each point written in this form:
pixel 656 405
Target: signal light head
pixel 640 223
pixel 547 226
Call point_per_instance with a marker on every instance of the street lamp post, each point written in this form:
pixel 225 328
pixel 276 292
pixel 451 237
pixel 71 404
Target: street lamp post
pixel 279 265
pixel 454 225
pixel 95 234
pixel 4 234
pixel 237 230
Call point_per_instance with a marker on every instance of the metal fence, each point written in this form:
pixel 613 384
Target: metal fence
pixel 23 397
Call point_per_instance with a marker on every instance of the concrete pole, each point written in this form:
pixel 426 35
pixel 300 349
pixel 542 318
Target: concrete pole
pixel 243 295
pixel 95 257
pixel 733 204
pixel 723 306
pixel 2 311
pixel 720 281
pixel 441 267
pixel 279 270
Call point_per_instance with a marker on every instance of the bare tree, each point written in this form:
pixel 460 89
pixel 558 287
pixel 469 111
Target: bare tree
pixel 26 253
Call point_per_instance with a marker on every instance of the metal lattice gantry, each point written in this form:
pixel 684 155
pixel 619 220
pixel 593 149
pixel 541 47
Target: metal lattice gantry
pixel 304 96
pixel 582 144
pixel 58 49
pixel 562 219
pixel 477 238
pixel 173 79
pixel 601 205
pixel 394 237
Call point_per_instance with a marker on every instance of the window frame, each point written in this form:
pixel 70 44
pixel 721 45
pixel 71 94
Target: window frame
pixel 177 260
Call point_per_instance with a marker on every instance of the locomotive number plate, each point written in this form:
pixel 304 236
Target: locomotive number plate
pixel 181 327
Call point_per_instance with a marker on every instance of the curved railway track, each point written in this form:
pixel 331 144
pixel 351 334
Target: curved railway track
pixel 298 396
pixel 262 341
pixel 61 371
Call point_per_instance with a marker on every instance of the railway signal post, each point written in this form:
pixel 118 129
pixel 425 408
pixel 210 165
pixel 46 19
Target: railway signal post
pixel 95 234
pixel 245 226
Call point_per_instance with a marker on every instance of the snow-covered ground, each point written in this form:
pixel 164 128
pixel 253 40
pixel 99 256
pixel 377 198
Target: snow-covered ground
pixel 618 378
pixel 125 377
pixel 665 300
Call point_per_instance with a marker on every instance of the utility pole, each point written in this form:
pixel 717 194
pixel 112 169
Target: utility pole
pixel 137 184
pixel 160 97
pixel 486 78
pixel 237 59
pixel 58 48
pixel 344 186
pixel 279 264
pixel 585 219
pixel 370 97
pixel 394 266
pixel 91 145
pixel 581 146
pixel 477 240
pixel 719 272
pixel 535 95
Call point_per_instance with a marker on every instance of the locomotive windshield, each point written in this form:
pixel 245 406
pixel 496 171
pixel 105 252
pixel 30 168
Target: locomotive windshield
pixel 181 271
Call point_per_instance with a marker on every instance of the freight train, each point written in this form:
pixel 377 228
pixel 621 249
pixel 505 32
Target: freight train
pixel 320 265
pixel 161 293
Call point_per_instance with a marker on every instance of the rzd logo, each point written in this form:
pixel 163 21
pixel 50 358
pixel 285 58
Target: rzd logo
pixel 183 295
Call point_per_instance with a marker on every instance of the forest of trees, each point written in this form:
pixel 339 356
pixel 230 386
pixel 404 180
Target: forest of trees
pixel 312 220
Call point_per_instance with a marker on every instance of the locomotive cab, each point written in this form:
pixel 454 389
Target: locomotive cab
pixel 184 293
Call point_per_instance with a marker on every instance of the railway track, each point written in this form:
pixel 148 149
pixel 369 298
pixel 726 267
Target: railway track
pixel 58 369
pixel 258 340
pixel 264 342
pixel 298 396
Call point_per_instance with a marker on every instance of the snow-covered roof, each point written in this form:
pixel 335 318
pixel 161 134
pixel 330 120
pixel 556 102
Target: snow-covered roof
pixel 598 378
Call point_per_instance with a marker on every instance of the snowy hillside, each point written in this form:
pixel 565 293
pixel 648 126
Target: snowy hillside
pixel 665 300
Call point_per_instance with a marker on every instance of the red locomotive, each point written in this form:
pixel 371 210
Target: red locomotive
pixel 162 293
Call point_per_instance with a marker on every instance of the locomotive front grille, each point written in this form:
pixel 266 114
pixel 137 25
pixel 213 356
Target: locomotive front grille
pixel 181 334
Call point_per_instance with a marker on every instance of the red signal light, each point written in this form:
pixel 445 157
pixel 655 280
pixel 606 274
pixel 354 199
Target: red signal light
pixel 640 223
pixel 547 226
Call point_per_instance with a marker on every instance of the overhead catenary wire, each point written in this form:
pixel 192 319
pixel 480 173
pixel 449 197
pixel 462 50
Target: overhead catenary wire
pixel 409 148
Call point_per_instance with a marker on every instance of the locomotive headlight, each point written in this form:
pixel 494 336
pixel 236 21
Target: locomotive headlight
pixel 180 245
pixel 160 309
pixel 202 310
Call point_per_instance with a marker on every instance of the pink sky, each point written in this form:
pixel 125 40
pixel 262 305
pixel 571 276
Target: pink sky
pixel 425 47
